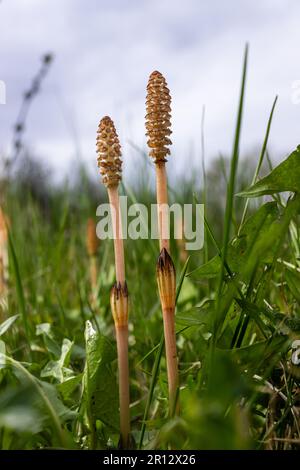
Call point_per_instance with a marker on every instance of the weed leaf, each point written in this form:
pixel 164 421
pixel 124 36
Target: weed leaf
pixel 285 177
pixel 7 324
pixel 99 383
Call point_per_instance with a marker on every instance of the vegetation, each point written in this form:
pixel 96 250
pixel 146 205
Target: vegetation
pixel 237 316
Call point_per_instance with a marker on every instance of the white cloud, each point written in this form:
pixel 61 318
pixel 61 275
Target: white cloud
pixel 106 50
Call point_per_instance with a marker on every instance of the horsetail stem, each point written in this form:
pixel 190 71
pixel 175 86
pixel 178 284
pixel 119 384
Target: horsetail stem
pixel 158 126
pixel 158 123
pixel 166 280
pixel 110 164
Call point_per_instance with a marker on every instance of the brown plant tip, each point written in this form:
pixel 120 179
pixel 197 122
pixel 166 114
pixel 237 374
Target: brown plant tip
pixel 158 117
pixel 119 304
pixel 109 152
pixel 92 241
pixel 166 280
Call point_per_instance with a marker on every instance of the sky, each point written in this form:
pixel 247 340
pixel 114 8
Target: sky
pixel 104 52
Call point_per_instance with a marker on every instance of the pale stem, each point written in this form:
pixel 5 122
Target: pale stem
pixel 117 232
pixel 122 346
pixel 162 201
pixel 121 331
pixel 171 355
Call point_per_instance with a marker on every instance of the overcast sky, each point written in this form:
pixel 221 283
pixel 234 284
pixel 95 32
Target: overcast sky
pixel 105 50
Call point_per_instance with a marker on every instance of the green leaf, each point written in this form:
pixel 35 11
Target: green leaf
pixel 262 351
pixel 285 177
pixel 50 391
pixel 21 419
pixel 17 412
pixel 100 391
pixel 59 369
pixel 44 397
pixel 270 242
pixel 197 316
pixel 239 246
pixel 7 324
pixel 67 387
pixel 45 330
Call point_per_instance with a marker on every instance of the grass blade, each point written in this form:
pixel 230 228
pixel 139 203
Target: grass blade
pixel 19 287
pixel 261 158
pixel 231 184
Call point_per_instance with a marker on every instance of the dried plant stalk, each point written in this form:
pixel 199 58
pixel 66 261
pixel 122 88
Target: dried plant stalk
pixel 158 125
pixel 110 164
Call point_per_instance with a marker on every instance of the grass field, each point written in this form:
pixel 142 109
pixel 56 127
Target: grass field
pixel 237 316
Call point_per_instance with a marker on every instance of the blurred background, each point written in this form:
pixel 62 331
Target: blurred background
pixel 102 54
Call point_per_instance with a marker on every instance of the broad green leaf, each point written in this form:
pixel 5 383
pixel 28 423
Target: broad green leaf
pixel 7 324
pixel 285 177
pixel 45 330
pixel 17 412
pixel 100 391
pixel 261 351
pixel 52 394
pixel 44 397
pixel 239 246
pixel 21 419
pixel 67 387
pixel 59 369
pixel 197 316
